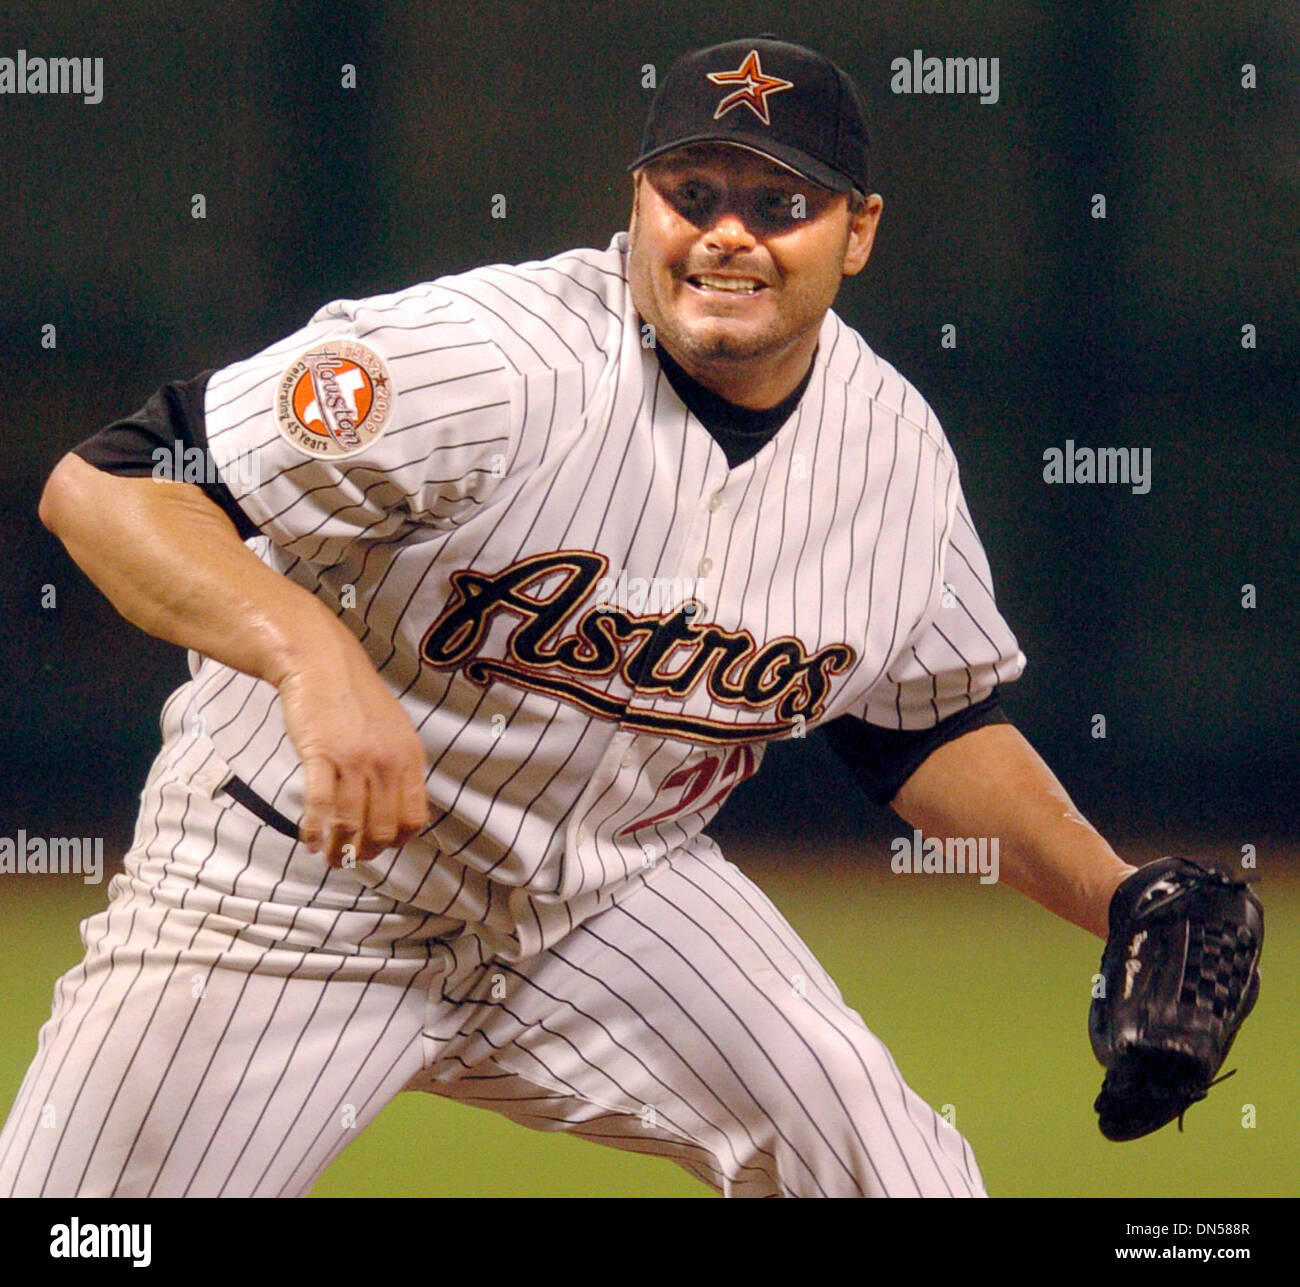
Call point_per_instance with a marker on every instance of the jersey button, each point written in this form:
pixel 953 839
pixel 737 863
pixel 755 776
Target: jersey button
pixel 715 502
pixel 706 566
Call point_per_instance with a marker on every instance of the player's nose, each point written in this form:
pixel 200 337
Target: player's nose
pixel 729 234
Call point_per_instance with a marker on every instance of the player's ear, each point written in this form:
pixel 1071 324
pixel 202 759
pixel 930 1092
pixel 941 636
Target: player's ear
pixel 862 233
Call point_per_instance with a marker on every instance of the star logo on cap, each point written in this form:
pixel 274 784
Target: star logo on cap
pixel 755 88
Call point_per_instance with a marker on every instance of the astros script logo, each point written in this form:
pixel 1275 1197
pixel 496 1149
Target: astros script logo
pixel 757 87
pixel 335 399
pixel 560 639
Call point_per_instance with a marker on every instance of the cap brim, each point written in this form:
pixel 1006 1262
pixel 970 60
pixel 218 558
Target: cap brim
pixel 800 163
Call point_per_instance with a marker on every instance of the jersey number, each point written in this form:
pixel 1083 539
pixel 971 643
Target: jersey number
pixel 697 779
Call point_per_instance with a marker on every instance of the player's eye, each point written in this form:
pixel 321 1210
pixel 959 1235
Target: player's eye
pixel 693 200
pixel 778 208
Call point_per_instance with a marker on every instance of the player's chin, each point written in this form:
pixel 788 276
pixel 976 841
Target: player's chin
pixel 747 325
pixel 714 342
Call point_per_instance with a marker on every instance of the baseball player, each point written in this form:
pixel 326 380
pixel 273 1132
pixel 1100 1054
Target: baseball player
pixel 502 583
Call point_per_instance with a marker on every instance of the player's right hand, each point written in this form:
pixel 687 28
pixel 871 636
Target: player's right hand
pixel 362 761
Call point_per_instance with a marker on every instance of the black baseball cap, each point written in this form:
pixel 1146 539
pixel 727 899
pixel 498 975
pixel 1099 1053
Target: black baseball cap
pixel 790 104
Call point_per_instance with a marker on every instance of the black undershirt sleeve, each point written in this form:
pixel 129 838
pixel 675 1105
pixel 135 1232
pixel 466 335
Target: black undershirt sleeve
pixel 882 759
pixel 172 420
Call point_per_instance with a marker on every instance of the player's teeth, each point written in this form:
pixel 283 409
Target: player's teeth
pixel 727 283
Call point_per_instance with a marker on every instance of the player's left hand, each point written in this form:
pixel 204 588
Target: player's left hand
pixel 1180 973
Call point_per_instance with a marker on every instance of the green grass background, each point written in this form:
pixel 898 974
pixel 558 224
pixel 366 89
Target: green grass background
pixel 981 996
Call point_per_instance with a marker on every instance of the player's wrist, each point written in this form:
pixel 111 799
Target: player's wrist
pixel 304 642
pixel 1105 896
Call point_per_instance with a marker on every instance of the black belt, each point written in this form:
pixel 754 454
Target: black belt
pixel 239 791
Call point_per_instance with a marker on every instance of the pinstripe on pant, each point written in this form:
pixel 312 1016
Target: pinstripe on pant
pixel 674 1022
pixel 234 1041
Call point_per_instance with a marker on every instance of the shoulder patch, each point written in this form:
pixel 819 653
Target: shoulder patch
pixel 335 399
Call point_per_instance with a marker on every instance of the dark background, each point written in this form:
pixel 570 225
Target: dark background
pixel 1117 332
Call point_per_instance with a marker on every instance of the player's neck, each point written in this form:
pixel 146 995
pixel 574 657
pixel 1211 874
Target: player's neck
pixel 717 414
pixel 742 386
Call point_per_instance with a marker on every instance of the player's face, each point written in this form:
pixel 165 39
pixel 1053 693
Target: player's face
pixel 735 260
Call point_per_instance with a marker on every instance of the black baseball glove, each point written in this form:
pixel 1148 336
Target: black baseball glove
pixel 1180 973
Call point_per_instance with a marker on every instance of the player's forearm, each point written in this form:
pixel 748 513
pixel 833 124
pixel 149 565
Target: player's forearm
pixel 171 562
pixel 991 782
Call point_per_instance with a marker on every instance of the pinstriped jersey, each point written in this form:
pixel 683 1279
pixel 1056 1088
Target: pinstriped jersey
pixel 593 623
